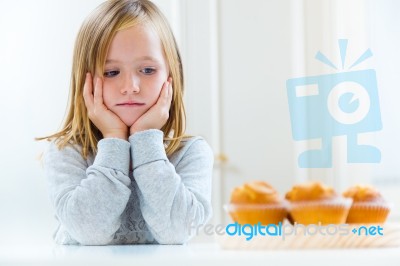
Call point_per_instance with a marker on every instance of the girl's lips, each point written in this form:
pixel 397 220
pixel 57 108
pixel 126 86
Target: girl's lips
pixel 130 104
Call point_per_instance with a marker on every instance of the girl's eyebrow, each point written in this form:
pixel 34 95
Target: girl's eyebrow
pixel 142 58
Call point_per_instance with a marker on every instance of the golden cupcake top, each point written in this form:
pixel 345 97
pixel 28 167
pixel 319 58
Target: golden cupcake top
pixel 254 192
pixel 363 193
pixel 310 191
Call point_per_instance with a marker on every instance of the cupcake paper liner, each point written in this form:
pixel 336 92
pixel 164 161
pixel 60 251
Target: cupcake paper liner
pixel 333 211
pixel 368 212
pixel 265 214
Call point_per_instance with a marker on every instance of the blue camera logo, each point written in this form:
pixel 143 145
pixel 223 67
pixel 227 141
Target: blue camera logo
pixel 325 106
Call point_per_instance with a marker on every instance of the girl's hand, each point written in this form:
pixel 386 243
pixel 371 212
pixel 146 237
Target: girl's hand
pixel 110 125
pixel 158 114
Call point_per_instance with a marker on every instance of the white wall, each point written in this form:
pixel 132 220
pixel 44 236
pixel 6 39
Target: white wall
pixel 255 45
pixel 384 38
pixel 324 23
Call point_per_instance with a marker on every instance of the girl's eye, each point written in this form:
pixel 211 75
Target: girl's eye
pixel 148 71
pixel 110 74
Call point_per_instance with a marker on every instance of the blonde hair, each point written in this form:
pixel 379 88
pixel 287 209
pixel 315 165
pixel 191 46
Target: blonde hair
pixel 91 47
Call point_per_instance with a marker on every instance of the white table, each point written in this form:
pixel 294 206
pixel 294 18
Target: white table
pixel 190 254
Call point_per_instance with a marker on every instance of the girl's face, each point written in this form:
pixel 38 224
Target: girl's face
pixel 134 73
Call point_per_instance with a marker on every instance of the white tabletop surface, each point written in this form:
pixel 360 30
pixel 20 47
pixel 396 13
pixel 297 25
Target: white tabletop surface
pixel 190 254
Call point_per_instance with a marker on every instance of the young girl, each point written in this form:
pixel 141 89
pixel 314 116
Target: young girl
pixel 121 170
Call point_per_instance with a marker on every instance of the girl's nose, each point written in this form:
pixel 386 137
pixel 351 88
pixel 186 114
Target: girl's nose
pixel 131 86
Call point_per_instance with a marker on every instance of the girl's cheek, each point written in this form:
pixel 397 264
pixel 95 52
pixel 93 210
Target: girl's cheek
pixel 160 82
pixel 153 86
pixel 106 95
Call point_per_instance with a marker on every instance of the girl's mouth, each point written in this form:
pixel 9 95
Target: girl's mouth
pixel 130 104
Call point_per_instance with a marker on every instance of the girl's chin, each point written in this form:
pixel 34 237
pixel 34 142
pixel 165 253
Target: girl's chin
pixel 129 121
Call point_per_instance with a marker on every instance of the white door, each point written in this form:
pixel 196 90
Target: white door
pixel 256 39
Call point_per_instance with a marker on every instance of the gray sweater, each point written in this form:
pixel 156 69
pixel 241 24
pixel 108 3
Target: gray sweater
pixel 99 201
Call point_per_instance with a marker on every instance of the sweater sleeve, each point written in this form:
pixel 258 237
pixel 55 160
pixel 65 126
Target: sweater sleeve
pixel 173 199
pixel 89 201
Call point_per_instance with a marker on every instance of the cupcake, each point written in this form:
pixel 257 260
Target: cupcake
pixel 368 205
pixel 314 203
pixel 256 202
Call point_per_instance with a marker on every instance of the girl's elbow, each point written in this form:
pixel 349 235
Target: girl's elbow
pixel 91 235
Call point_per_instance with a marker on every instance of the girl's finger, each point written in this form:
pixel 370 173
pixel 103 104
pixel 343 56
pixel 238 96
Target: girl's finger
pixel 169 96
pixel 98 92
pixel 163 92
pixel 171 91
pixel 167 92
pixel 88 91
pixel 163 98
